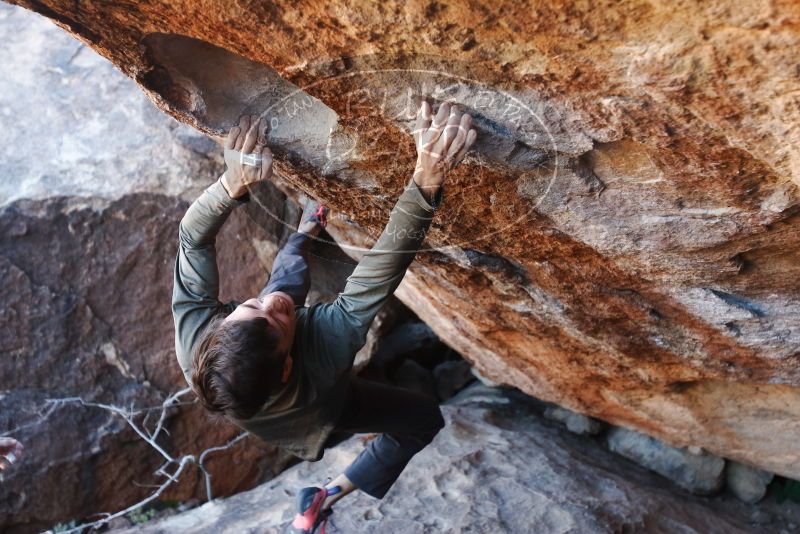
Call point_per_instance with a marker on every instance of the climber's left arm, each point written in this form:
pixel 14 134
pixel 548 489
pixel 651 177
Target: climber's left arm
pixel 196 277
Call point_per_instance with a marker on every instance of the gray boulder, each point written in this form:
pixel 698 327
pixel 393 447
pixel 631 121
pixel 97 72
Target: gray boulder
pixel 575 422
pixel 452 376
pixel 413 376
pixel 700 473
pixel 747 483
pixel 404 338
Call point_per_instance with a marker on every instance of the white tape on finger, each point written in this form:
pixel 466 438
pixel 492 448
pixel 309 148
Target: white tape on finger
pixel 254 160
pixel 242 158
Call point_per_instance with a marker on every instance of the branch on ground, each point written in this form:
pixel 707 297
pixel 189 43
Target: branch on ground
pixel 170 470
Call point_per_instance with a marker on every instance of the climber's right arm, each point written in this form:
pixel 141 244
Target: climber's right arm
pixel 196 277
pixel 340 327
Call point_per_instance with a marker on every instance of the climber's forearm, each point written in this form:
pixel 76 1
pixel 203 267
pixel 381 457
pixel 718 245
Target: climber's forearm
pixel 382 268
pixel 195 294
pixel 206 215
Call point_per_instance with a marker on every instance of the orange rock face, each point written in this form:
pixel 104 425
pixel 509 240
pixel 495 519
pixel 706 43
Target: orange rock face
pixel 625 238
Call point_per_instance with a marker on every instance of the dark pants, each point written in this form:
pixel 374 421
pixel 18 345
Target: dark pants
pixel 290 269
pixel 408 420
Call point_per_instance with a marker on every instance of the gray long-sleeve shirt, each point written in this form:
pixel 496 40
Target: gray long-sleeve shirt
pixel 302 415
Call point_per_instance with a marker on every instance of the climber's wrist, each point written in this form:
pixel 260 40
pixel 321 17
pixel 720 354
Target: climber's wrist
pixel 236 193
pixel 428 183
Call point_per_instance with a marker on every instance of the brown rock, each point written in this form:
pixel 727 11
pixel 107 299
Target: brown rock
pixel 98 179
pixel 87 314
pixel 84 315
pixel 624 240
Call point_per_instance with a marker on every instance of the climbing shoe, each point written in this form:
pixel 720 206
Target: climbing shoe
pixel 315 212
pixel 310 515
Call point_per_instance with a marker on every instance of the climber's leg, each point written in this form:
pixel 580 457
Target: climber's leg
pixel 408 421
pixel 345 486
pixel 290 272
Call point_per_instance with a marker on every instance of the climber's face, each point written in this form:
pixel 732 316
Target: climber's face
pixel 278 310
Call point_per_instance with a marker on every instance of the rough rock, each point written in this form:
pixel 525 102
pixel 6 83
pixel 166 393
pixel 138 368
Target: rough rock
pixel 483 380
pixel 413 376
pixel 86 314
pixel 95 181
pixel 495 467
pixel 407 338
pixel 624 240
pixel 389 317
pixel 696 471
pixel 451 376
pixel 73 126
pixel 747 483
pixel 575 422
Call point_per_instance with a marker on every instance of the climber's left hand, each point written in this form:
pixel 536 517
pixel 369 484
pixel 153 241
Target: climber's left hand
pixel 10 452
pixel 252 160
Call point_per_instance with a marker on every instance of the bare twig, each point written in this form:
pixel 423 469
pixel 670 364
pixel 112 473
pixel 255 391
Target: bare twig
pixel 42 416
pixel 153 496
pixel 127 416
pixel 150 437
pixel 202 459
pixel 172 400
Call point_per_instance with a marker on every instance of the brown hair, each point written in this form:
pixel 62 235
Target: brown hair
pixel 235 367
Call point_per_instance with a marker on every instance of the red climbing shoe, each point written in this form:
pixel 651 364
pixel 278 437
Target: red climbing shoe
pixel 315 212
pixel 310 514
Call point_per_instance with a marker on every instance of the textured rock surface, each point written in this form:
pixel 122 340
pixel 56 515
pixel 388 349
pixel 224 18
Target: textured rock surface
pixel 94 182
pixel 496 467
pixel 72 126
pixel 624 241
pixel 413 376
pixel 699 472
pixel 451 377
pixel 86 314
pixel 747 483
pixel 575 422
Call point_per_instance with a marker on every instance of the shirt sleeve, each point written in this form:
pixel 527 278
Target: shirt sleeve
pixel 339 328
pixel 196 277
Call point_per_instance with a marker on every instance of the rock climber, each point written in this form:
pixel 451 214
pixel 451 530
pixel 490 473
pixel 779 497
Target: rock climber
pixel 281 370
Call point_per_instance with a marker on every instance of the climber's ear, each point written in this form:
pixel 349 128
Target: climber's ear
pixel 287 368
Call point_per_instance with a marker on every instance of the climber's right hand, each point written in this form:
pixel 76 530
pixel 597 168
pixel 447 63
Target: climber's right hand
pixel 442 142
pixel 247 158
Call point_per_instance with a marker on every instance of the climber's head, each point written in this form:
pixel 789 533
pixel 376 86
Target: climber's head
pixel 241 359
